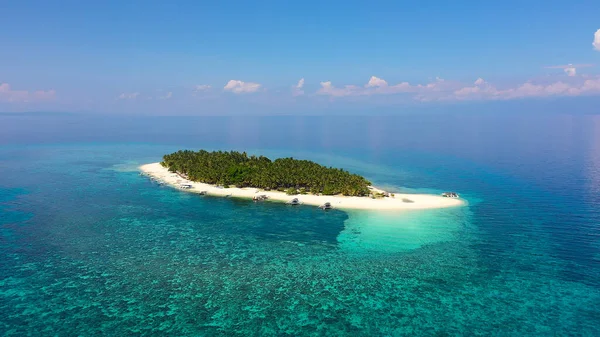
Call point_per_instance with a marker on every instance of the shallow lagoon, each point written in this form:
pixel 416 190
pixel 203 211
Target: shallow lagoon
pixel 90 247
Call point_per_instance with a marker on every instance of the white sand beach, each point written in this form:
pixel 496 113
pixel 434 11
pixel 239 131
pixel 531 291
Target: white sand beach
pixel 397 202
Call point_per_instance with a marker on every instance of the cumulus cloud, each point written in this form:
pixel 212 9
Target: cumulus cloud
pixel 379 86
pixel 7 94
pixel 528 89
pixel 131 95
pixel 298 89
pixel 202 87
pixel 327 88
pixel 596 42
pixel 376 82
pixel 441 90
pixel 238 87
pixel 480 89
pixel 571 71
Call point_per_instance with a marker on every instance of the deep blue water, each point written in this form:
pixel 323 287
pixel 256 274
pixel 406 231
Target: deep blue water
pixel 89 247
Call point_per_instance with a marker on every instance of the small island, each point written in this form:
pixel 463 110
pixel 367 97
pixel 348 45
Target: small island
pixel 236 174
pixel 284 174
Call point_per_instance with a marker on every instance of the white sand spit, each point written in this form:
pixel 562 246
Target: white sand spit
pixel 398 202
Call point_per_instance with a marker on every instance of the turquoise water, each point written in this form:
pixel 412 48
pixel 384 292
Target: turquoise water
pixel 90 247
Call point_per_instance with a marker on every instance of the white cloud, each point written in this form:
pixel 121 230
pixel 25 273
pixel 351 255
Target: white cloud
pixel 596 42
pixel 349 90
pixel 298 89
pixel 378 86
pixel 202 87
pixel 528 89
pixel 441 90
pixel 132 95
pixel 570 71
pixel 7 94
pixel 376 82
pixel 238 87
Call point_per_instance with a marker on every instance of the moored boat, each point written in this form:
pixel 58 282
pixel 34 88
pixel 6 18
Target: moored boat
pixel 326 206
pixel 261 197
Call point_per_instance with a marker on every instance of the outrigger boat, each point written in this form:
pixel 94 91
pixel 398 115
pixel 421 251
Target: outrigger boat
pixel 260 197
pixel 326 206
pixel 450 195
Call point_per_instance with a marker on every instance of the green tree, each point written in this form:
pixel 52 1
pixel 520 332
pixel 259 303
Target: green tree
pixel 239 169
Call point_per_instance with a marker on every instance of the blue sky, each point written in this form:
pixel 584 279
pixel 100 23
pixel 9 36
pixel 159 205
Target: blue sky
pixel 160 57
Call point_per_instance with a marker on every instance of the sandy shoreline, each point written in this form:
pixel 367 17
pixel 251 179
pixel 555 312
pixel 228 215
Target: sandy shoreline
pixel 398 202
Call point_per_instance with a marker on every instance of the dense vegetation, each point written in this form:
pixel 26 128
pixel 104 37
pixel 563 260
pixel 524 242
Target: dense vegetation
pixel 284 174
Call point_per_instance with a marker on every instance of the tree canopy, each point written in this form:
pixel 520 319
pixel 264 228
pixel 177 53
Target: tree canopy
pixel 239 169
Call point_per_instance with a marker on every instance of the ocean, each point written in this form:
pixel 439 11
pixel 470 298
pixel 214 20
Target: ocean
pixel 89 247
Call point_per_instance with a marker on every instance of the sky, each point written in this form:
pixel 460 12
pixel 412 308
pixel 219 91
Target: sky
pixel 263 57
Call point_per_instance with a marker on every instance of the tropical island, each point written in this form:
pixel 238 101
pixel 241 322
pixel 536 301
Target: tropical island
pixel 236 174
pixel 283 174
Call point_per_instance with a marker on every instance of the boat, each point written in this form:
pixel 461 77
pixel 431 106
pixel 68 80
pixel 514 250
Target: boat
pixel 294 202
pixel 326 206
pixel 202 192
pixel 450 195
pixel 261 197
pixel 185 186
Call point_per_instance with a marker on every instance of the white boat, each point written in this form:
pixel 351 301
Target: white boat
pixel 261 197
pixel 326 206
pixel 294 202
pixel 185 186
